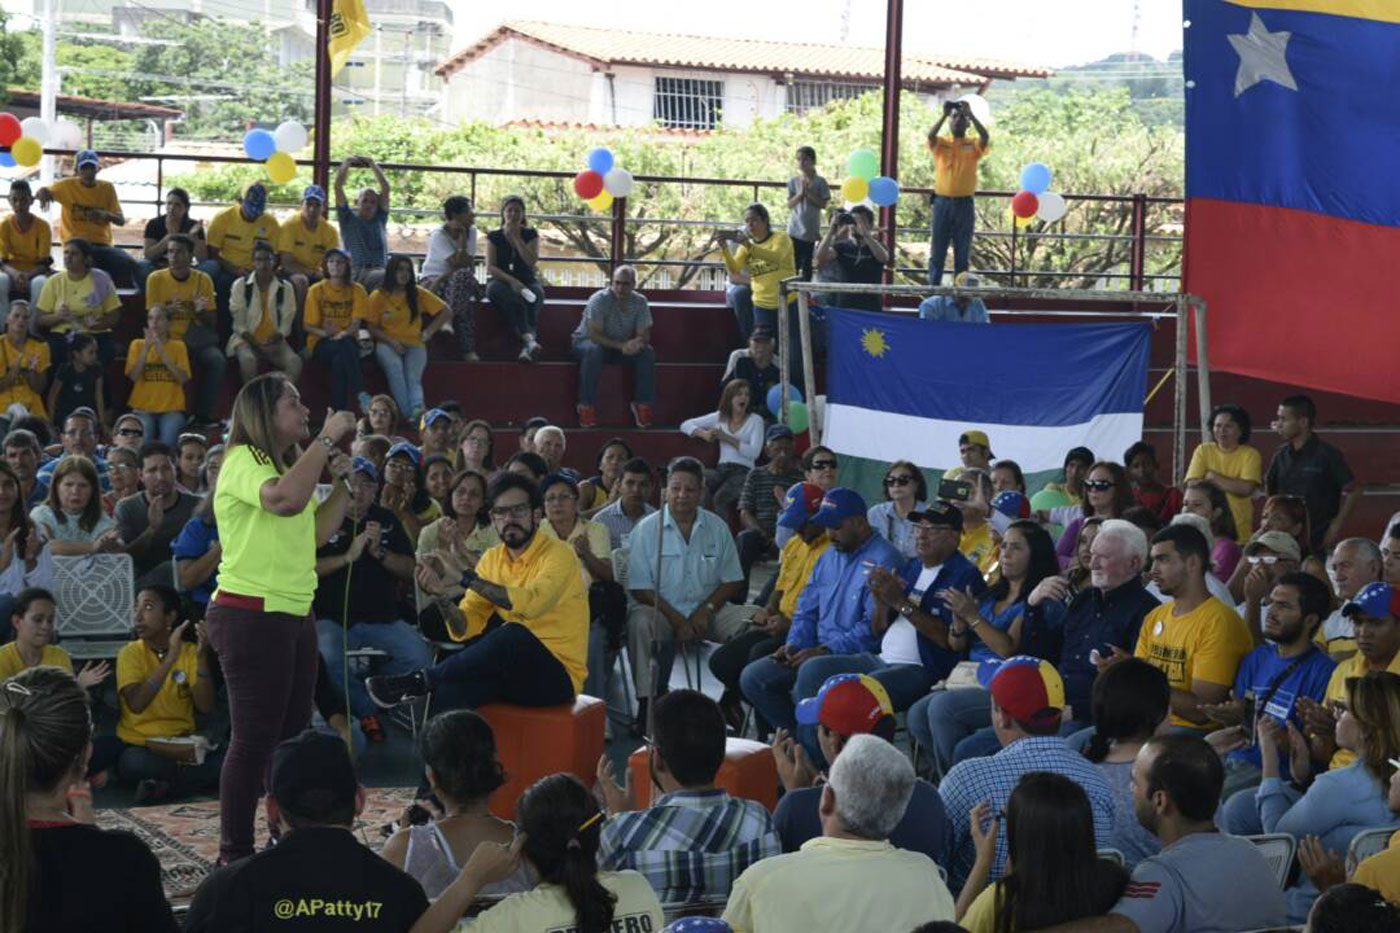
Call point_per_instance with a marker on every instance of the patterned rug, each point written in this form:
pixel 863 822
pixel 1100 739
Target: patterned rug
pixel 185 836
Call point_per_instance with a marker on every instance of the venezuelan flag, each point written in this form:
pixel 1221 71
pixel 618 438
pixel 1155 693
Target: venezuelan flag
pixel 1293 188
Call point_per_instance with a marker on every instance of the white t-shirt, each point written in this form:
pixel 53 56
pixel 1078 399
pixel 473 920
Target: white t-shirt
pixel 546 909
pixel 901 642
pixel 441 246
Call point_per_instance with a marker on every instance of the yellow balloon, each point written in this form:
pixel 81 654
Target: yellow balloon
pixel 855 189
pixel 27 151
pixel 1024 221
pixel 601 202
pixel 281 168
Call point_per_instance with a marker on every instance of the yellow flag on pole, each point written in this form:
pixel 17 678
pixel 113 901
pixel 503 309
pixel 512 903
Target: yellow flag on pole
pixel 349 26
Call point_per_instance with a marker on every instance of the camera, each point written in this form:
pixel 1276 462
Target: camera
pixel 845 218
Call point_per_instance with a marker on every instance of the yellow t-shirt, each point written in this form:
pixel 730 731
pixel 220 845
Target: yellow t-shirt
pixel 267 327
pixel 24 250
pixel 81 296
pixel 599 542
pixel 795 569
pixel 547 909
pixel 768 264
pixel 157 390
pixel 307 246
pixel 981 916
pixel 1354 666
pixel 35 357
pixel 978 546
pixel 76 197
pixel 334 303
pixel 547 596
pixel 233 236
pixel 162 288
pixel 171 713
pixel 390 314
pixel 11 663
pixel 1243 462
pixel 1207 644
pixel 264 555
pixel 1381 872
pixel 955 164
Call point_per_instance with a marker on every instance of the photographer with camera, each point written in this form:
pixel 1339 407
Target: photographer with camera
pixel 955 161
pixel 859 256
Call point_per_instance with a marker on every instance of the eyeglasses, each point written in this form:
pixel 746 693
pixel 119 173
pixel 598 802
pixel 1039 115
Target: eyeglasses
pixel 511 511
pixel 898 480
pixel 130 432
pixel 1267 560
pixel 478 439
pixel 823 464
pixel 1099 485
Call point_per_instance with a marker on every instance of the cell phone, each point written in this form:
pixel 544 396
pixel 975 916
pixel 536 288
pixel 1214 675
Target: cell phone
pixel 1248 723
pixel 949 106
pixel 954 490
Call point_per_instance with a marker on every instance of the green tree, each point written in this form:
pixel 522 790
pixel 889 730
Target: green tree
pixel 17 63
pixel 94 70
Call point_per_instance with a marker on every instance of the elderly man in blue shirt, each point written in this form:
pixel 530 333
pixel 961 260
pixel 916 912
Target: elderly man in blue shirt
pixel 699 573
pixel 833 616
pixel 961 310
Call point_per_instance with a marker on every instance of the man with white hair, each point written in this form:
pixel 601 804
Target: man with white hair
pixel 850 877
pixel 616 329
pixel 1355 562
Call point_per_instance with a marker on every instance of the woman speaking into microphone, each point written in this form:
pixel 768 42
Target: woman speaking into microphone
pixel 259 619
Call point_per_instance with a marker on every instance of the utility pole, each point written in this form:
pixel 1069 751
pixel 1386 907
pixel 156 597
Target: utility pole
pixel 48 87
pixel 889 143
pixel 321 152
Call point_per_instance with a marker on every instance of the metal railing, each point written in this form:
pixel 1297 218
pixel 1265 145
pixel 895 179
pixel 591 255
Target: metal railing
pixel 1022 266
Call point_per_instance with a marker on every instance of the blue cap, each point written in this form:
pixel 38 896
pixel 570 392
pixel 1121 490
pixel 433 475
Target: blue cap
pixel 1007 507
pixel 254 199
pixel 433 415
pixel 698 925
pixel 777 431
pixel 314 193
pixel 801 501
pixel 838 505
pixel 404 447
pixel 1376 600
pixel 86 157
pixel 366 466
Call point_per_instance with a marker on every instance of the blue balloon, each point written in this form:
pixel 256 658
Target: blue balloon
pixel 1035 178
pixel 883 191
pixel 7 160
pixel 259 144
pixel 601 161
pixel 775 397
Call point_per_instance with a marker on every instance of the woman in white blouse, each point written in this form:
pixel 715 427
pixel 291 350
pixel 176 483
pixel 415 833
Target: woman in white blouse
pixel 449 270
pixel 739 434
pixel 905 492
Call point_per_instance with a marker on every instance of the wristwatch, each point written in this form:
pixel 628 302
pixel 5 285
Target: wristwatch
pixel 469 576
pixel 327 442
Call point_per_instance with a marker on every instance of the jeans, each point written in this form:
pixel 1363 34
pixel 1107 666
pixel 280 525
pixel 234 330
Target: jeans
pixel 953 221
pixel 591 358
pixel 943 719
pixel 740 299
pixel 1239 815
pixel 343 358
pixel 223 282
pixel 116 262
pixel 905 683
pixel 210 364
pixel 406 649
pixel 607 612
pixel 507 664
pixel 164 425
pixel 802 253
pixel 522 316
pixel 279 356
pixel 404 373
pixel 136 763
pixel 36 285
pixel 269 664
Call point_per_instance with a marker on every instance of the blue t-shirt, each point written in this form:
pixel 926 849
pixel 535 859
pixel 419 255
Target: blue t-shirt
pixel 1001 621
pixel 1260 668
pixel 924 827
pixel 366 242
pixel 192 543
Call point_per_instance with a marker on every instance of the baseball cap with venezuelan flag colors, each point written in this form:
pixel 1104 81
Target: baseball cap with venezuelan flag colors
pixel 848 704
pixel 1028 689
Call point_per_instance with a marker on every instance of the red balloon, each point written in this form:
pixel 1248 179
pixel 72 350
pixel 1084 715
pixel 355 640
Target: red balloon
pixel 588 185
pixel 1025 204
pixel 10 129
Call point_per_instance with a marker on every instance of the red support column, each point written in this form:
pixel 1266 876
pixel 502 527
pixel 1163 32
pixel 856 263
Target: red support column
pixel 889 142
pixel 321 131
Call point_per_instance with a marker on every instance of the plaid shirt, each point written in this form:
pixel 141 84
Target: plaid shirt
pixel 691 844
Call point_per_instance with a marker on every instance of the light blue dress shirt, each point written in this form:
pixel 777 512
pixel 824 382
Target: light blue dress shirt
pixel 690 570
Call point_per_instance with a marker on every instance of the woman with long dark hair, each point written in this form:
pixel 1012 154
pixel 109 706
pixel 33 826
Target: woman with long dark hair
pixel 738 433
pixel 601 488
pixel 451 546
pixel 402 317
pixel 58 872
pixel 1204 498
pixel 336 309
pixel 260 620
pixel 1107 494
pixel 512 262
pixel 1053 870
pixel 765 255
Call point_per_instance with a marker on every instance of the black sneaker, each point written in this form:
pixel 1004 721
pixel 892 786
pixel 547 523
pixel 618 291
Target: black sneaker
pixel 390 690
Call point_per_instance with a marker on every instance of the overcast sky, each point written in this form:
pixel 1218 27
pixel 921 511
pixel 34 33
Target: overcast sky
pixel 1043 32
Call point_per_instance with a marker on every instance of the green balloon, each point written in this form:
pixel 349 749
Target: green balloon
pixel 864 163
pixel 798 418
pixel 1048 499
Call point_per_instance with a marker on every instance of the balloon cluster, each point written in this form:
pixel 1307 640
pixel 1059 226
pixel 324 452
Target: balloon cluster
pixel 1035 199
pixel 275 149
pixel 22 141
pixel 799 419
pixel 603 181
pixel 864 180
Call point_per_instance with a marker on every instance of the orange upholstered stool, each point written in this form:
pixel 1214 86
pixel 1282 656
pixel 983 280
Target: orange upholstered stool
pixel 748 772
pixel 533 742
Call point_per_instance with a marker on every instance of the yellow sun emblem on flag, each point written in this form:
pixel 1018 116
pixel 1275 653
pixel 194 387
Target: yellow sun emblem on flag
pixel 874 342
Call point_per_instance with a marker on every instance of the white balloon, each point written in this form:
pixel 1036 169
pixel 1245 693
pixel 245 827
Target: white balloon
pixel 290 136
pixel 35 128
pixel 980 108
pixel 66 135
pixel 618 182
pixel 1052 207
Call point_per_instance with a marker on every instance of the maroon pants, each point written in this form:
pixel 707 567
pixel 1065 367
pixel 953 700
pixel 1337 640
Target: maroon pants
pixel 269 665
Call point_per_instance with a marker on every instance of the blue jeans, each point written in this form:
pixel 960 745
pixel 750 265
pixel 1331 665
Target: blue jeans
pixel 404 373
pixel 591 358
pixel 1239 815
pixel 164 425
pixel 507 664
pixel 905 683
pixel 36 286
pixel 740 299
pixel 953 221
pixel 406 649
pixel 941 720
pixel 343 358
pixel 136 763
pixel 210 364
pixel 522 316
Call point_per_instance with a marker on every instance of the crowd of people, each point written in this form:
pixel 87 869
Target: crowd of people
pixel 1099 699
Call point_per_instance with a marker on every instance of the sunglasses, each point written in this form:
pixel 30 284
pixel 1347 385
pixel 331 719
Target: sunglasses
pixel 129 432
pixel 1267 560
pixel 823 464
pixel 898 480
pixel 1099 485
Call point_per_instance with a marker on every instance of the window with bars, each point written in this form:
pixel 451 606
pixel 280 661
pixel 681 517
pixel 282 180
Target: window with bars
pixel 688 103
pixel 808 95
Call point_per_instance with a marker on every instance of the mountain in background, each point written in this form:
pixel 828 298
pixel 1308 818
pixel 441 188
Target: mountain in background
pixel 1156 87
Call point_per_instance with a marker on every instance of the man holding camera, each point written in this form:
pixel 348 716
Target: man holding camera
pixel 859 256
pixel 955 161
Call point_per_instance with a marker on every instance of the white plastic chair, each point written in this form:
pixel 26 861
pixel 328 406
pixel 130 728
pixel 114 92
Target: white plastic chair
pixel 93 594
pixel 1278 850
pixel 1367 843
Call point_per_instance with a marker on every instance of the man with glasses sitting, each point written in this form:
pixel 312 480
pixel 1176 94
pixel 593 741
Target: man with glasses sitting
pixel 129 433
pixel 79 437
pixel 524 616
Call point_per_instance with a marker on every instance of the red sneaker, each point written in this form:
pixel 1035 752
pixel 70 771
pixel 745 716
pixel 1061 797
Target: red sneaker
pixel 371 728
pixel 641 413
pixel 587 416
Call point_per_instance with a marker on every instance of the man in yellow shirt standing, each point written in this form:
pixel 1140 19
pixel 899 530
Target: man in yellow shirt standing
pixel 233 233
pixel 527 602
pixel 955 161
pixel 303 241
pixel 90 211
pixel 26 248
pixel 1197 640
